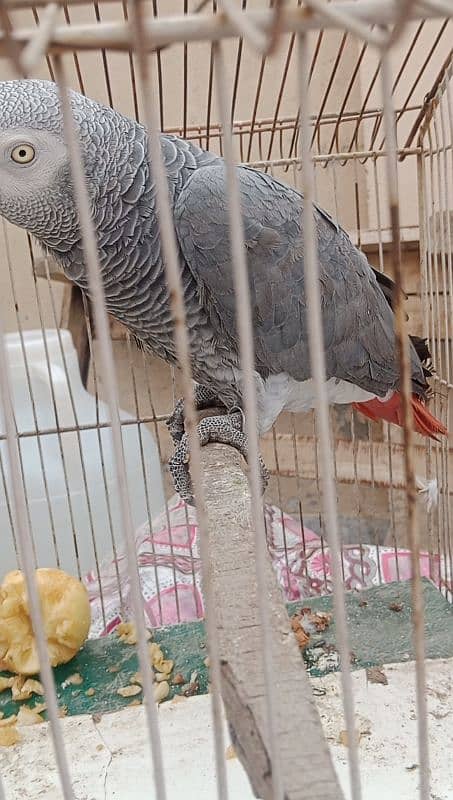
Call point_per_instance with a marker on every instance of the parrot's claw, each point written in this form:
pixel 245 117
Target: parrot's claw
pixel 175 422
pixel 203 398
pixel 226 429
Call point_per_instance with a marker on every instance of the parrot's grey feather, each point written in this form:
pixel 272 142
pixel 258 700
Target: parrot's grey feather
pixel 358 323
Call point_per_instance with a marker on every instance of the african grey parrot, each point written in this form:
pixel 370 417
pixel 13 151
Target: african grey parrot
pixel 36 194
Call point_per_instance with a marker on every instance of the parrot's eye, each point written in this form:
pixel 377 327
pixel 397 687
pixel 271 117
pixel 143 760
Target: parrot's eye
pixel 23 154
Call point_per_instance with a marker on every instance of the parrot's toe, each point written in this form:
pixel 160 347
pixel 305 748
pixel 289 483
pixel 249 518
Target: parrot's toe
pixel 203 398
pixel 225 429
pixel 175 422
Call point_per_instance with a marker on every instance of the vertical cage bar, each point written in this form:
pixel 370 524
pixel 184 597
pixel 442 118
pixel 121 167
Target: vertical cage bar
pixel 24 541
pixel 444 331
pixel 406 393
pixel 182 344
pixel 109 376
pixel 423 237
pixel 246 351
pixel 318 371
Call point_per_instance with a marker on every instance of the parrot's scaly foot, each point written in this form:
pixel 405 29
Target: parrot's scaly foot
pixel 224 430
pixel 203 398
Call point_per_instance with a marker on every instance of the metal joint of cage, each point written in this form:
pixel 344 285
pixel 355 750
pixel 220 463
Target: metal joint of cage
pixel 262 42
pixel 26 59
pixel 38 45
pixel 424 116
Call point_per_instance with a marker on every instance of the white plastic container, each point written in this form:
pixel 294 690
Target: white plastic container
pixel 70 461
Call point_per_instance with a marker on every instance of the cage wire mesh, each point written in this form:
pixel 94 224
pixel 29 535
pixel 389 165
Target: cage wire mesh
pixel 245 69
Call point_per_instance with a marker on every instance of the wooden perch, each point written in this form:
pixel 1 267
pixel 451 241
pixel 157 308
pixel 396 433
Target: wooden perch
pixel 306 765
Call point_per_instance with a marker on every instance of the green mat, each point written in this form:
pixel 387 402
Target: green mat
pixel 379 634
pixel 380 626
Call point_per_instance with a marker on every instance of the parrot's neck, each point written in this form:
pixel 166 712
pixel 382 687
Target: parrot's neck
pixel 125 217
pixel 124 212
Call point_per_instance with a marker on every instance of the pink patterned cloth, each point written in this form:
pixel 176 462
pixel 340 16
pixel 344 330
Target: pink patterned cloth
pixel 169 567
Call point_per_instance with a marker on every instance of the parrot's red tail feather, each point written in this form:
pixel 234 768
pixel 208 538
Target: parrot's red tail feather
pixel 391 410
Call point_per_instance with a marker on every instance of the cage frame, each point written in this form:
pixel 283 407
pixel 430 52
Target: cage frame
pixel 261 30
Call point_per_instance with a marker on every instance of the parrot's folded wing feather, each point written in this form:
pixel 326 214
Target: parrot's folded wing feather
pixel 358 322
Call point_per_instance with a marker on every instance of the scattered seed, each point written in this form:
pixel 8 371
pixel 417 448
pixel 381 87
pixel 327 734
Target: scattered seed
pixel 126 632
pixel 376 675
pixel 74 680
pixel 396 606
pixel 230 752
pixel 161 691
pixel 8 721
pixel 90 692
pixel 343 737
pixel 28 716
pixel 302 637
pixel 193 687
pixel 321 620
pixel 34 686
pixel 158 661
pixel 129 691
pixel 5 683
pixel 178 679
pixel 165 666
pixel 23 688
pixel 9 736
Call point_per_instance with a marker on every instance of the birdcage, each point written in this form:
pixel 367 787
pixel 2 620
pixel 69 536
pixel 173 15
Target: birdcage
pixel 349 559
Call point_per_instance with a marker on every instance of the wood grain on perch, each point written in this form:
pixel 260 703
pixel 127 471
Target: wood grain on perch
pixel 305 760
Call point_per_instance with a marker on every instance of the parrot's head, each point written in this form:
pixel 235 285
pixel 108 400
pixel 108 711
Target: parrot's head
pixel 35 174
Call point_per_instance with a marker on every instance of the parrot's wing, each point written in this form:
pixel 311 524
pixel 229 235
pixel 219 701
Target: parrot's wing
pixel 358 322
